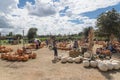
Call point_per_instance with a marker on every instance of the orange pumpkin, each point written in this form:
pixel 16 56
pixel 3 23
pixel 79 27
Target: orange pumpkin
pixel 19 51
pixel 6 56
pixel 30 56
pixel 2 55
pixel 26 57
pixel 14 57
pixel 9 57
pixel 34 55
pixel 20 58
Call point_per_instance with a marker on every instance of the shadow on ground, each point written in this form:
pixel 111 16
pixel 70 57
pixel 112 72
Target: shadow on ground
pixel 108 74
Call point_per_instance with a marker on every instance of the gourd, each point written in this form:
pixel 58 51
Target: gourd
pixel 20 58
pixel 115 65
pixel 64 59
pixel 86 55
pixel 26 57
pixel 69 59
pixel 77 59
pixel 9 57
pixel 2 55
pixel 59 57
pixel 109 65
pixel 34 55
pixel 81 58
pixel 86 63
pixel 93 63
pixel 102 66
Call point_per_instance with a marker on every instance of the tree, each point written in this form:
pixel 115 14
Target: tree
pixel 32 33
pixel 109 22
pixel 18 36
pixel 86 32
pixel 10 34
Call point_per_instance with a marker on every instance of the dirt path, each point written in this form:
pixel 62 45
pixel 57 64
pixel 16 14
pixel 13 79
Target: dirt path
pixel 42 68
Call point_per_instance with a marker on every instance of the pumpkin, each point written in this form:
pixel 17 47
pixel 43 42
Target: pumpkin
pixel 20 58
pixel 19 51
pixel 34 55
pixel 6 56
pixel 63 59
pixel 115 65
pixel 69 59
pixel 59 57
pixel 2 55
pixel 93 63
pixel 81 58
pixel 102 66
pixel 109 65
pixel 13 58
pixel 86 55
pixel 9 57
pixel 77 59
pixel 26 57
pixel 30 56
pixel 86 63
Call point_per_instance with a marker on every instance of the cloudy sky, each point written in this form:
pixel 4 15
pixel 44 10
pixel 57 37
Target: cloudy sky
pixel 52 16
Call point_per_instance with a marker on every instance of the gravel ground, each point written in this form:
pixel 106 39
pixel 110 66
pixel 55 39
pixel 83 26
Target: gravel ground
pixel 42 68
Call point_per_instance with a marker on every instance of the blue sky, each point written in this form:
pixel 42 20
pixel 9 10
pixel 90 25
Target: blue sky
pixel 94 14
pixel 91 14
pixel 62 13
pixel 22 3
pixel 52 16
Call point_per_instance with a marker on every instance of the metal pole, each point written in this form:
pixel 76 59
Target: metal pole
pixel 23 39
pixel 0 39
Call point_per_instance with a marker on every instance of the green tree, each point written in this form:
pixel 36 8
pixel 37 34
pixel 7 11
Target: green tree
pixel 109 22
pixel 18 36
pixel 10 34
pixel 86 32
pixel 32 33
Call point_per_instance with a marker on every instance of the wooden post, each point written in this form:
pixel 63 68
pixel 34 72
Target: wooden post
pixel 0 39
pixel 91 42
pixel 23 39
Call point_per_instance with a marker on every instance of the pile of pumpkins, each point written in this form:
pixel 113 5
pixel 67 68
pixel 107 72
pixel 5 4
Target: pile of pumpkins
pixel 20 55
pixel 74 53
pixel 63 46
pixel 65 59
pixel 74 56
pixel 3 49
pixel 103 65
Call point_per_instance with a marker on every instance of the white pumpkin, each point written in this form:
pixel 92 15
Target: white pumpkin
pixel 115 65
pixel 86 63
pixel 102 66
pixel 93 63
pixel 81 58
pixel 109 65
pixel 64 59
pixel 116 61
pixel 86 55
pixel 69 59
pixel 59 57
pixel 77 59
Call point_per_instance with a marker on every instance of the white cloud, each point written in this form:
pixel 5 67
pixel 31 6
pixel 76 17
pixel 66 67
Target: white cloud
pixel 41 9
pixel 81 6
pixel 44 15
pixel 8 5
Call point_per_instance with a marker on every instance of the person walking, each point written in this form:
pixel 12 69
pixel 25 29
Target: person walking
pixel 75 45
pixel 36 43
pixel 55 50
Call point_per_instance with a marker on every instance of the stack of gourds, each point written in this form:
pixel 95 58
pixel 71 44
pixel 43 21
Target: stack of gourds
pixel 20 55
pixel 3 49
pixel 74 53
pixel 102 65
